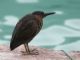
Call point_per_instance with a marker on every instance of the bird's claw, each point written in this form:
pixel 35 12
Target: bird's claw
pixel 33 52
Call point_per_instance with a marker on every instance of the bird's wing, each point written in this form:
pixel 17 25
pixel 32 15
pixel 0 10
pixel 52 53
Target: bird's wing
pixel 23 32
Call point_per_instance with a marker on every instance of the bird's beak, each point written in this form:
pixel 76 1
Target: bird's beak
pixel 46 14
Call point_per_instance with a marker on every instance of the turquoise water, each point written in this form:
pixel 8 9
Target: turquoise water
pixel 60 31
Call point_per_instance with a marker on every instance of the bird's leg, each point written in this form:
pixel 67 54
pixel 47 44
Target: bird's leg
pixel 27 48
pixel 28 52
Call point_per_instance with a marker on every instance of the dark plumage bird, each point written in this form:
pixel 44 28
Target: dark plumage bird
pixel 27 28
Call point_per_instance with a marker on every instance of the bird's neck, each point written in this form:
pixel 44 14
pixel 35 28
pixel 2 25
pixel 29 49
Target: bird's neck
pixel 38 17
pixel 39 21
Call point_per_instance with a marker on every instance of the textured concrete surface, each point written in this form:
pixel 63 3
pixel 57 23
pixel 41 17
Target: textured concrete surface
pixel 44 54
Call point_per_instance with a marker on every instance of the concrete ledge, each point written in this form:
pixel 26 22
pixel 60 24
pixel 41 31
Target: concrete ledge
pixel 44 54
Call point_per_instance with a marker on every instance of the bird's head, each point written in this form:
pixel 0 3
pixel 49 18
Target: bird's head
pixel 42 14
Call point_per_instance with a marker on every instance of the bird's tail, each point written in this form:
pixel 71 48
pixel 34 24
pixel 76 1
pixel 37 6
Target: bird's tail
pixel 14 44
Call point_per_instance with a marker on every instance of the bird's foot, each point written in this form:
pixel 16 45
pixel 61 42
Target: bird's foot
pixel 32 52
